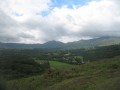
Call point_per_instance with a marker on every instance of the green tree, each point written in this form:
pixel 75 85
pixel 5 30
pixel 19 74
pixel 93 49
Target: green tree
pixel 79 59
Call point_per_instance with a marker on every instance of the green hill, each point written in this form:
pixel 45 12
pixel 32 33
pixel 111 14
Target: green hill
pixel 98 75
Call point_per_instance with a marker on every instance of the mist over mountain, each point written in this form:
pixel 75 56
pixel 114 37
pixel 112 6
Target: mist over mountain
pixel 102 41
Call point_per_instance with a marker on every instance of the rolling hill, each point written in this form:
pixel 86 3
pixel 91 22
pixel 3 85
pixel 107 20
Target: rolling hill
pixel 102 41
pixel 98 75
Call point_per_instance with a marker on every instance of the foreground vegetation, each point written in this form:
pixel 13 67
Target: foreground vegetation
pixel 17 66
pixel 98 75
pixel 96 68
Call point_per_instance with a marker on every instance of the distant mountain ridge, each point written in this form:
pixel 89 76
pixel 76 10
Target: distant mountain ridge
pixel 53 44
pixel 102 41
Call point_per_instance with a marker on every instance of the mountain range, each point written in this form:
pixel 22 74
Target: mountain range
pixel 102 41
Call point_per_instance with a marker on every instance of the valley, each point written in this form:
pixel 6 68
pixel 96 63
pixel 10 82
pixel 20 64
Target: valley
pixel 42 69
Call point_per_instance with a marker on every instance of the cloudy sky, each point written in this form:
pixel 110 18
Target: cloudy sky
pixel 39 21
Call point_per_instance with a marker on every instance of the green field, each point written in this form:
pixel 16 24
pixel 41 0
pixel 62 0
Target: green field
pixel 98 75
pixel 56 64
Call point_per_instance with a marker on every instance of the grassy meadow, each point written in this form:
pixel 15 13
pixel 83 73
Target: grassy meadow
pixel 98 75
pixel 58 65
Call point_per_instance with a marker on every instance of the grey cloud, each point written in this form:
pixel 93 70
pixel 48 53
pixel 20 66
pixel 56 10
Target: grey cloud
pixel 9 39
pixel 6 26
pixel 97 30
pixel 24 35
pixel 51 30
pixel 11 30
pixel 47 29
pixel 5 20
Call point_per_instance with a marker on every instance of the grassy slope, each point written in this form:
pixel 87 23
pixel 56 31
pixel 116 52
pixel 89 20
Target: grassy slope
pixel 58 65
pixel 98 75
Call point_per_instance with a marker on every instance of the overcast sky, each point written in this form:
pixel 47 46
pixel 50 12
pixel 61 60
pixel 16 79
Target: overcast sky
pixel 39 21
